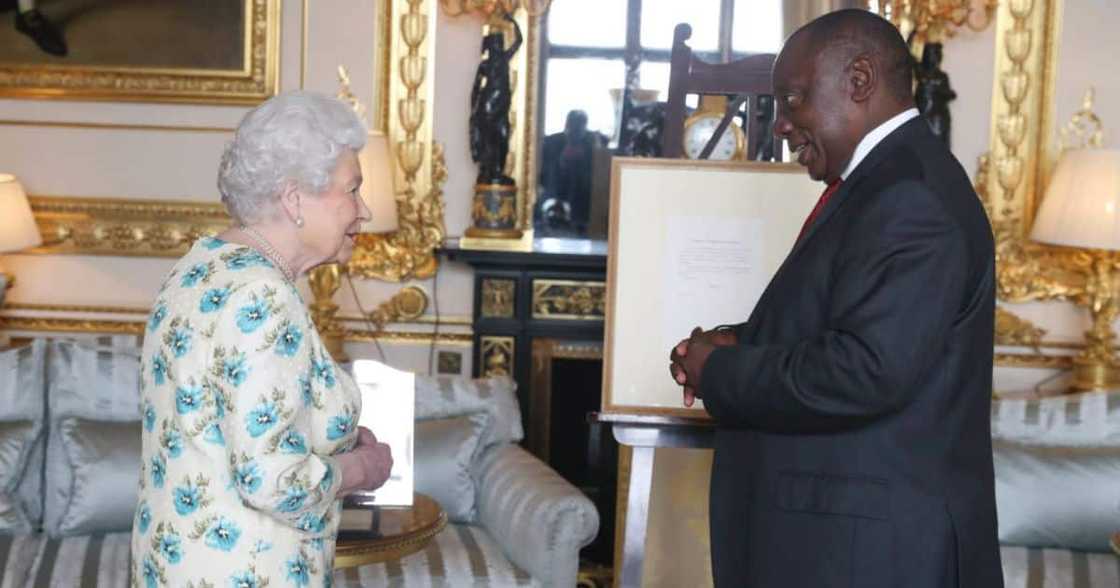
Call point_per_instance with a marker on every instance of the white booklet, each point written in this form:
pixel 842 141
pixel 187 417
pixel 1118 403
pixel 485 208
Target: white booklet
pixel 388 408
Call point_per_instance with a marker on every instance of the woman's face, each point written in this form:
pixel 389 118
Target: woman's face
pixel 332 219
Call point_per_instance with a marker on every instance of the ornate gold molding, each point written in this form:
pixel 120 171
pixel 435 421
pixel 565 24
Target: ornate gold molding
pixel 1020 155
pixel 1038 361
pixel 257 80
pixel 498 297
pixel 46 324
pixel 406 305
pixel 496 356
pixel 421 169
pixel 1013 330
pixel 569 300
pixel 114 226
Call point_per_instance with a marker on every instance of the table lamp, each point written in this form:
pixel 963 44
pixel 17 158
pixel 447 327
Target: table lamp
pixel 18 230
pixel 1081 209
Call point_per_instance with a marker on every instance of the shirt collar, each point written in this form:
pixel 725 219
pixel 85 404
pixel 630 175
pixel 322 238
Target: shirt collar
pixel 870 140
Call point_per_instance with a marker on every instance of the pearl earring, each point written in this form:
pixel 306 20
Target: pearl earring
pixel 299 221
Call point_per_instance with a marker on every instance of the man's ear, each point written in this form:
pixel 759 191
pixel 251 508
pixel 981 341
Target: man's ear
pixel 863 78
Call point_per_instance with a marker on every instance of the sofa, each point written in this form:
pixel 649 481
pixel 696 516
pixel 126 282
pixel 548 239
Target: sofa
pixel 69 463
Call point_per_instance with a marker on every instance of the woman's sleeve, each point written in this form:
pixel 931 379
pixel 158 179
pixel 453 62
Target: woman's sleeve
pixel 264 361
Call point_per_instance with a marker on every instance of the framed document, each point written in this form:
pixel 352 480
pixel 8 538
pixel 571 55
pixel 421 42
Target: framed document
pixel 692 243
pixel 388 408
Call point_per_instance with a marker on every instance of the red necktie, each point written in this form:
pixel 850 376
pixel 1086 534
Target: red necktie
pixel 828 192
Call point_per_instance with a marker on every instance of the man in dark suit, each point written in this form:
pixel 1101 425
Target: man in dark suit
pixel 853 407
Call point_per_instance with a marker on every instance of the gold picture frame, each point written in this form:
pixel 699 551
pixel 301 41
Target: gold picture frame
pixel 133 227
pixel 255 80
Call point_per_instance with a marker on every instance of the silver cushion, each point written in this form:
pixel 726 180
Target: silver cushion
pixel 22 437
pixel 444 452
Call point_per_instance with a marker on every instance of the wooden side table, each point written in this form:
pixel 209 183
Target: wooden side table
pixel 394 533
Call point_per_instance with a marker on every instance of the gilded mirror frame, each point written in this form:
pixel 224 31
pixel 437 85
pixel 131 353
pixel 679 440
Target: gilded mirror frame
pixel 133 227
pixel 256 80
pixel 1013 174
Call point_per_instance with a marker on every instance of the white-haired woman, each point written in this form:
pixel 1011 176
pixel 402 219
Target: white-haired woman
pixel 249 428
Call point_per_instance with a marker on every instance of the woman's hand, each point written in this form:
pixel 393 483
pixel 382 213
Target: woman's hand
pixel 367 465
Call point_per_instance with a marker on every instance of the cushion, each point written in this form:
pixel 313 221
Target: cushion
pixel 22 437
pixel 1090 418
pixel 104 457
pixel 444 451
pixel 448 396
pixel 88 561
pixel 94 383
pixel 1057 496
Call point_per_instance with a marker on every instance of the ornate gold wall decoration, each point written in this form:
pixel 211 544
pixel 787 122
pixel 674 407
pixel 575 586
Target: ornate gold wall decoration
pixel 111 226
pixel 496 356
pixel 406 305
pixel 1012 330
pixel 498 298
pixel 257 80
pixel 410 251
pixel 569 300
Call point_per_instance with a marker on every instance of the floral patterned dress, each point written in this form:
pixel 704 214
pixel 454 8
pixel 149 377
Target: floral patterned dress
pixel 242 409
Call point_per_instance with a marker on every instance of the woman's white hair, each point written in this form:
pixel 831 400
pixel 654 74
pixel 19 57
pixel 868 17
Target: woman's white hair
pixel 295 137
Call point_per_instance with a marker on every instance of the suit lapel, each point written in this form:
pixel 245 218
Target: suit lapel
pixel 907 133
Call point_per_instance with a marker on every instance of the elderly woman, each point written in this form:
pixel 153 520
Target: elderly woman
pixel 250 430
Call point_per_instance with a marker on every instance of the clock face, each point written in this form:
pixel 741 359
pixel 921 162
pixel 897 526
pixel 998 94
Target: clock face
pixel 697 134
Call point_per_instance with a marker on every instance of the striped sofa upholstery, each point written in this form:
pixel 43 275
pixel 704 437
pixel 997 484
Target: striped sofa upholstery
pixel 1033 567
pixel 532 524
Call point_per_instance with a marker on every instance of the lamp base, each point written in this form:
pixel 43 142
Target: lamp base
pixel 1094 375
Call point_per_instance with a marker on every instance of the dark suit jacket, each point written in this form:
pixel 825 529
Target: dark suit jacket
pixel 854 444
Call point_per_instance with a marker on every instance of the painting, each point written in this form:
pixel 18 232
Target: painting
pixel 204 51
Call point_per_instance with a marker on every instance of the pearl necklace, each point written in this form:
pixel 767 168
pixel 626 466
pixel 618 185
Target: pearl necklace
pixel 270 252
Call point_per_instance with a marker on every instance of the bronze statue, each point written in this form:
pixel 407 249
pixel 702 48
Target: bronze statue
pixel 933 93
pixel 490 102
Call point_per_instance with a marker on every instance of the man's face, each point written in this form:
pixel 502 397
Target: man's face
pixel 813 110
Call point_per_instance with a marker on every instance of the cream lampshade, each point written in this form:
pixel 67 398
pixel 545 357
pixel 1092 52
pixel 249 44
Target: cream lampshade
pixel 1081 209
pixel 377 185
pixel 18 230
pixel 17 225
pixel 1082 203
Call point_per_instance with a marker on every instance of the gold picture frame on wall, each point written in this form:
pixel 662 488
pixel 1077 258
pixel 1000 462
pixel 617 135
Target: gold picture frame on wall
pixel 131 227
pixel 176 52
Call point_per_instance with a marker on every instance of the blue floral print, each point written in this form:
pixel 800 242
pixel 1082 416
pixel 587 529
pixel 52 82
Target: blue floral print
pixel 248 477
pixel 188 400
pixel 213 299
pixel 287 342
pixel 339 426
pixel 188 497
pixel 293 500
pixel 223 534
pixel 151 572
pixel 241 408
pixel 158 314
pixel 180 342
pixel 324 372
pixel 213 434
pixel 297 570
pixel 144 517
pixel 234 369
pixel 199 272
pixel 149 416
pixel 159 369
pixel 252 316
pixel 171 547
pixel 262 418
pixel 159 470
pixel 293 442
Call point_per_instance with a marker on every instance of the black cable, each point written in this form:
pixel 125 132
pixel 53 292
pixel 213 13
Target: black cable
pixel 435 329
pixel 374 330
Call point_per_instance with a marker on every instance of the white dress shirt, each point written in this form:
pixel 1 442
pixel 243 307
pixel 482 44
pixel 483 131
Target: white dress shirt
pixel 870 140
